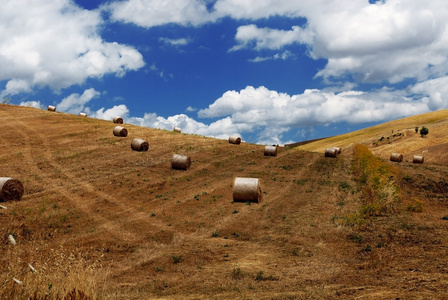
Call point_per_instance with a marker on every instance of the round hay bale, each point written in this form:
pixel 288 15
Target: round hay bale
pixel 235 140
pixel 51 108
pixel 418 159
pixel 396 157
pixel 270 150
pixel 11 189
pixel 177 129
pixel 247 190
pixel 120 131
pixel 139 145
pixel 118 120
pixel 331 152
pixel 338 150
pixel 180 162
pixel 83 114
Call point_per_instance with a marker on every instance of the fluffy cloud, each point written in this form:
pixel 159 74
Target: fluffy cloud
pixel 35 104
pixel 56 43
pixel 75 103
pixel 274 113
pixel 267 38
pixel 390 40
pixel 110 113
pixel 222 128
pixel 435 91
pixel 176 42
pixel 149 13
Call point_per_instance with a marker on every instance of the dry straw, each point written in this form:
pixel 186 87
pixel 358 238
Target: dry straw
pixel 338 150
pixel 51 108
pixel 180 162
pixel 270 151
pixel 177 129
pixel 10 189
pixel 331 152
pixel 118 120
pixel 247 190
pixel 120 131
pixel 235 140
pixel 83 114
pixel 418 159
pixel 139 145
pixel 396 157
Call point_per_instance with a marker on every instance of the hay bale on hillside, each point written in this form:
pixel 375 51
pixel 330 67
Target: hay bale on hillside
pixel 177 129
pixel 118 120
pixel 11 189
pixel 235 140
pixel 331 152
pixel 180 162
pixel 139 145
pixel 338 150
pixel 396 157
pixel 120 131
pixel 418 159
pixel 51 108
pixel 82 114
pixel 247 190
pixel 270 150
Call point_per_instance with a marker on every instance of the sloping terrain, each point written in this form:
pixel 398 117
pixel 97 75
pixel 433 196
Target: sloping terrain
pixel 101 221
pixel 398 136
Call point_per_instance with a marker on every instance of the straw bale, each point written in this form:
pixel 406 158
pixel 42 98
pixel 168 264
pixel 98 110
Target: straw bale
pixel 120 131
pixel 177 129
pixel 247 190
pixel 51 108
pixel 396 157
pixel 83 114
pixel 139 145
pixel 10 189
pixel 331 152
pixel 118 120
pixel 180 162
pixel 270 150
pixel 418 159
pixel 338 150
pixel 235 140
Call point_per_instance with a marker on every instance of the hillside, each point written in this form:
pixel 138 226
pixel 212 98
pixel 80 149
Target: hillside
pixel 101 220
pixel 397 136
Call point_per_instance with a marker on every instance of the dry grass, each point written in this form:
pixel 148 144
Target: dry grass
pixel 113 223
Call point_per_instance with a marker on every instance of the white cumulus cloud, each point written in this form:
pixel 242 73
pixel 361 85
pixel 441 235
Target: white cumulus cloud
pixel 75 103
pixel 149 13
pixel 56 43
pixel 273 113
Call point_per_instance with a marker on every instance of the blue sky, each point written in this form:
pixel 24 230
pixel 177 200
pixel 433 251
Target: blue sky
pixel 272 71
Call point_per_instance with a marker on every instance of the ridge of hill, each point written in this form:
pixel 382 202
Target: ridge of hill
pixel 101 221
pixel 397 136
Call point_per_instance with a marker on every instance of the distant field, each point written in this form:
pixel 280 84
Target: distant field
pixel 101 221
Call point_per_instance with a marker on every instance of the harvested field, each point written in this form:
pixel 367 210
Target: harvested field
pixel 100 219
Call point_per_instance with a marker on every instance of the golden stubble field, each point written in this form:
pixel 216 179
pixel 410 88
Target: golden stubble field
pixel 101 221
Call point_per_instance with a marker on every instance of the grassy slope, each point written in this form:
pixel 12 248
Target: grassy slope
pixel 119 224
pixel 399 136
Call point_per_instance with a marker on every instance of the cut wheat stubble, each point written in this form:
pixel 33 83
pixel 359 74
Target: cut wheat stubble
pixel 10 189
pixel 235 140
pixel 247 190
pixel 180 162
pixel 118 120
pixel 396 157
pixel 120 131
pixel 270 150
pixel 139 145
